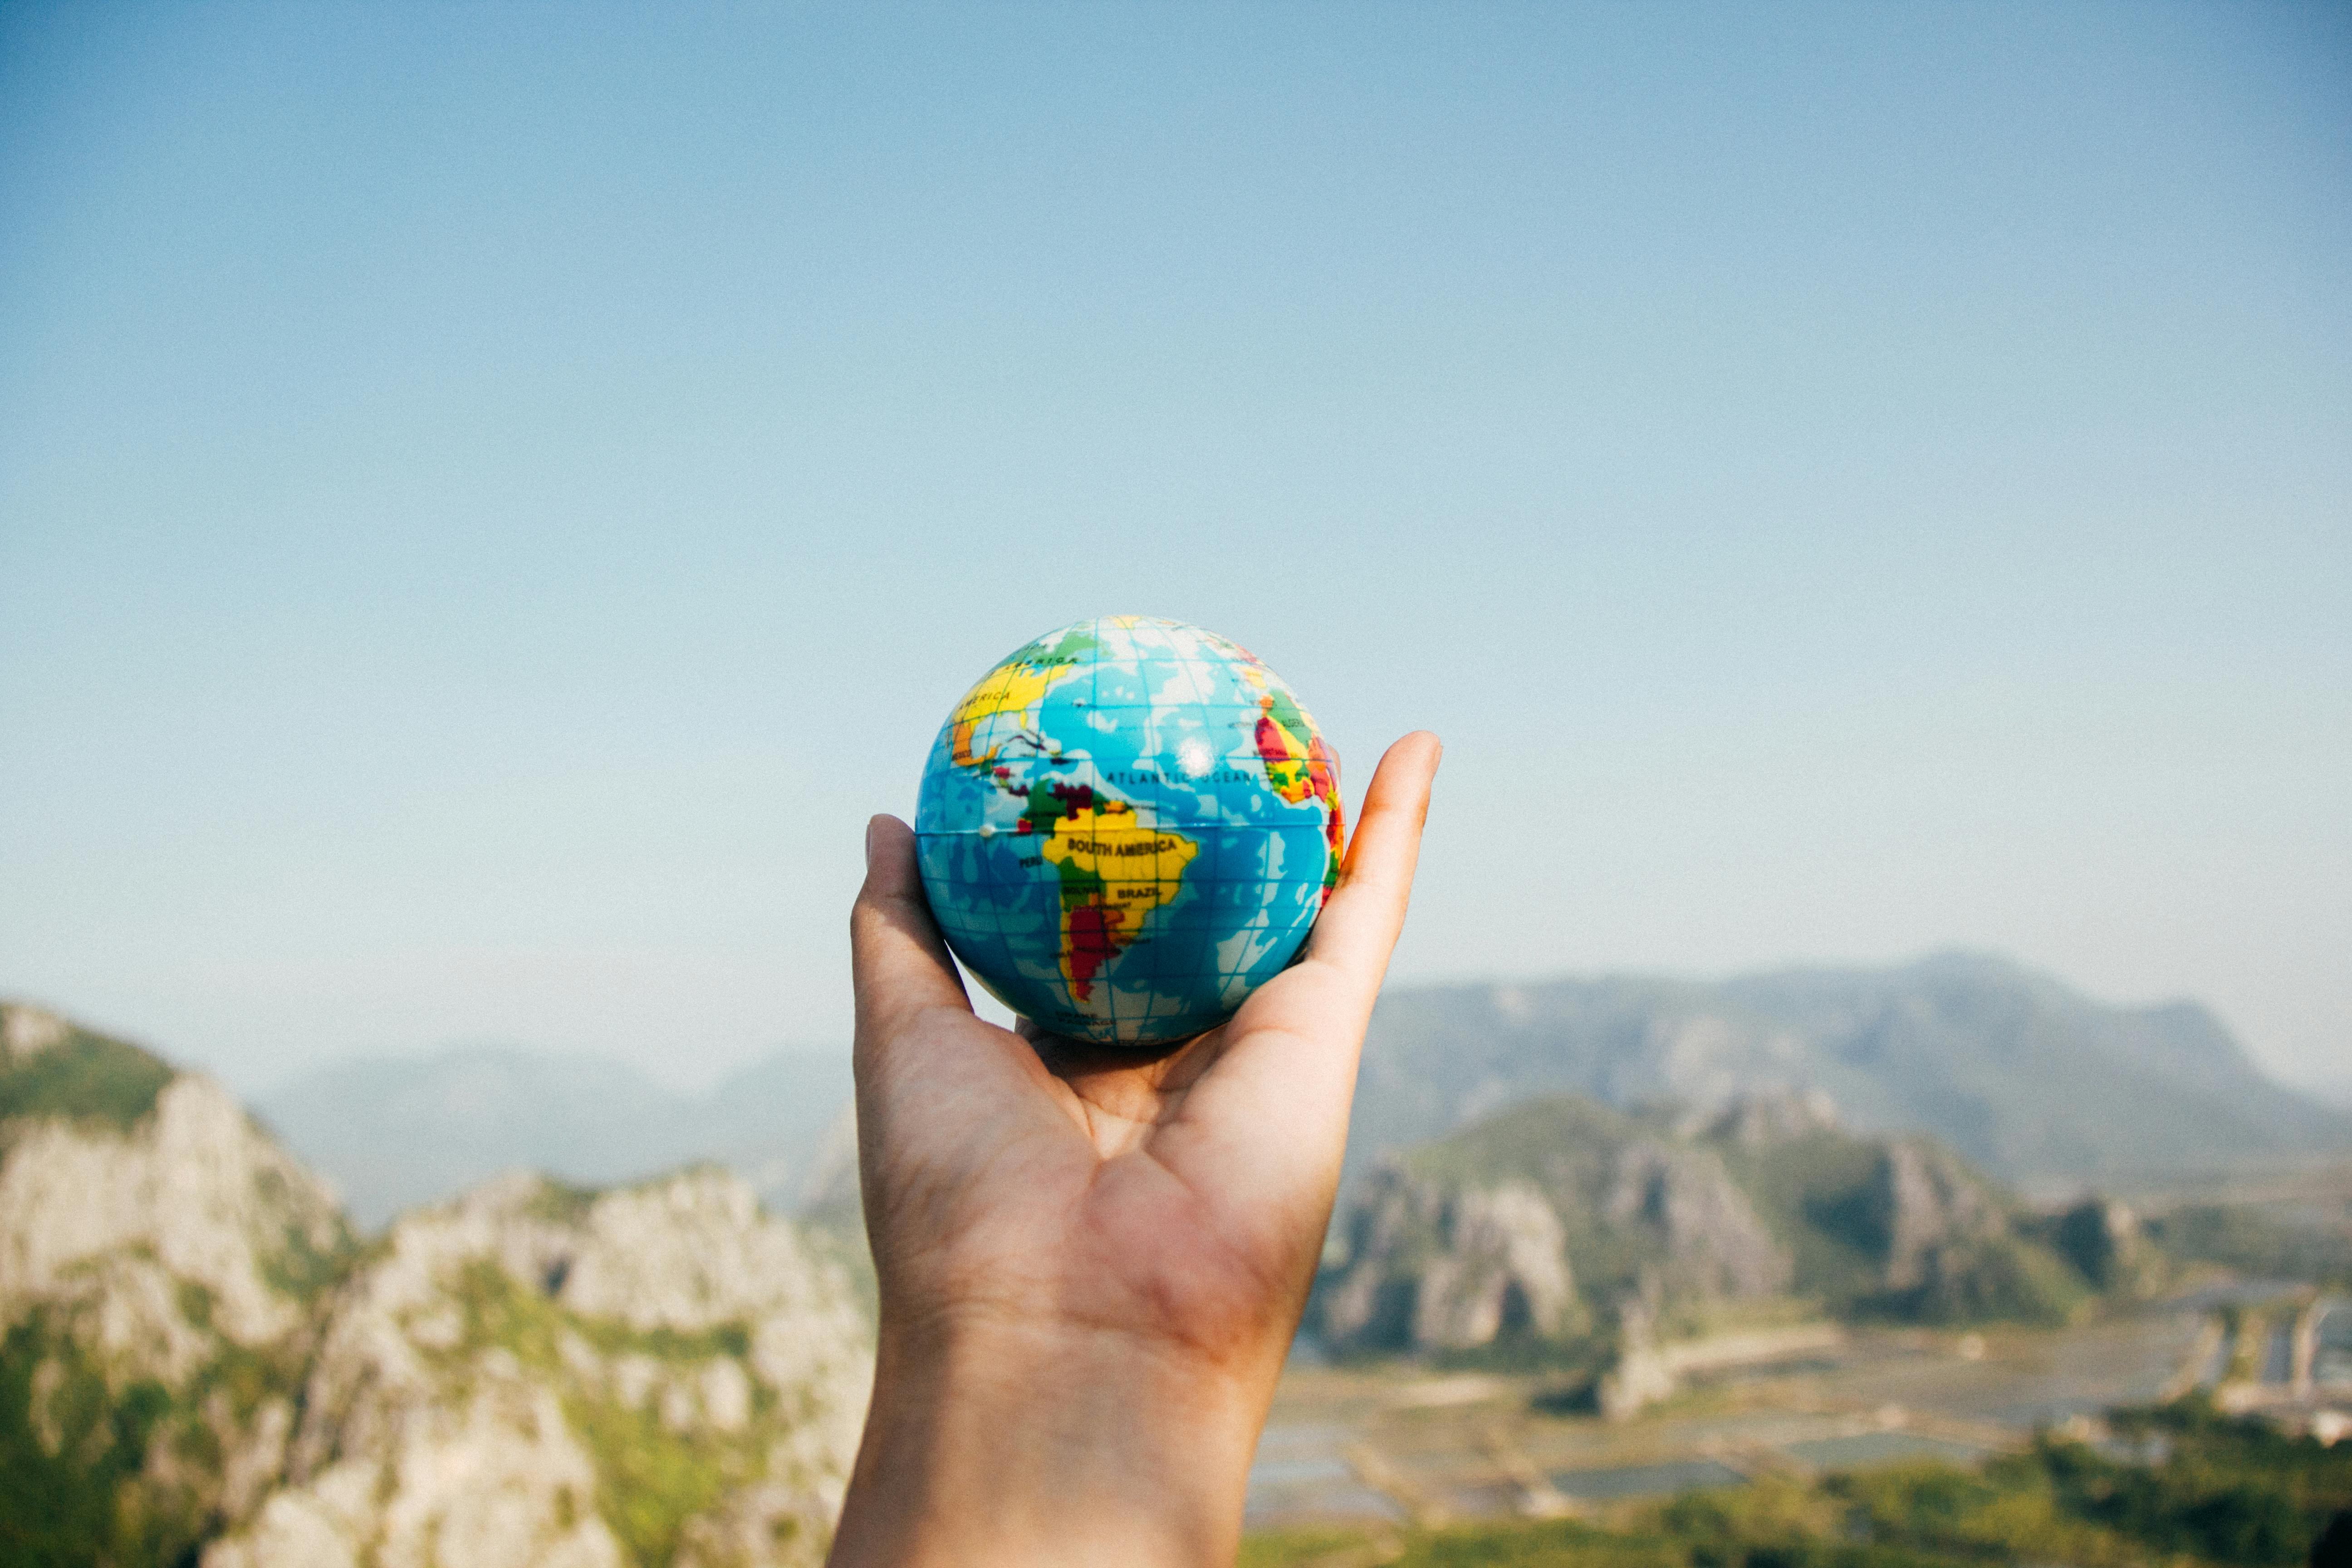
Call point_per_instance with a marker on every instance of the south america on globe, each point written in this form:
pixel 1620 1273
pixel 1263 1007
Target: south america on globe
pixel 1127 826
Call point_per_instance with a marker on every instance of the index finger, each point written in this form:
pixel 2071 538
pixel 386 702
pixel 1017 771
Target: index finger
pixel 1266 1124
pixel 1358 928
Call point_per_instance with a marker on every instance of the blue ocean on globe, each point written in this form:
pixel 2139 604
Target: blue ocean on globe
pixel 1127 826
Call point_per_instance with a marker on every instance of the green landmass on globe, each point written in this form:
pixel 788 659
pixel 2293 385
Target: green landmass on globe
pixel 1126 826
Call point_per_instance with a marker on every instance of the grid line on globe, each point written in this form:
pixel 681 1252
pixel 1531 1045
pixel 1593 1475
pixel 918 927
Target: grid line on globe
pixel 1126 826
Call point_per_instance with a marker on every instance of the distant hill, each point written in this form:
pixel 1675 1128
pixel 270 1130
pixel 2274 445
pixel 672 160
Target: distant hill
pixel 2011 1069
pixel 393 1133
pixel 1578 1207
pixel 1563 1230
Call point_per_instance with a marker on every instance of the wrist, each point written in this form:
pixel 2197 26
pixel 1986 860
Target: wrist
pixel 995 1440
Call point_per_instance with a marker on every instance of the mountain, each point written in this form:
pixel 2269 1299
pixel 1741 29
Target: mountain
pixel 163 1270
pixel 536 1374
pixel 394 1132
pixel 201 1363
pixel 2011 1068
pixel 1563 1223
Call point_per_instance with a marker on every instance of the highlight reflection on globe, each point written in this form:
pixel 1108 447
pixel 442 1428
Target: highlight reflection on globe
pixel 1127 828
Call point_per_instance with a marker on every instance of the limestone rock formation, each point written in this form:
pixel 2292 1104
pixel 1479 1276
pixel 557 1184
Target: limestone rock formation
pixel 1949 1248
pixel 536 1377
pixel 200 1361
pixel 1639 1376
pixel 1561 1218
pixel 1485 1261
pixel 1714 1243
pixel 1534 1224
pixel 1504 1267
pixel 1925 1205
pixel 1761 1118
pixel 160 1264
pixel 2103 1239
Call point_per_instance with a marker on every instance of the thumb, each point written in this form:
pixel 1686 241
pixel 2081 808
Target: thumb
pixel 899 965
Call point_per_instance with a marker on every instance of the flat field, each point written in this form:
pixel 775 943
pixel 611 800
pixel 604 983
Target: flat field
pixel 1406 1446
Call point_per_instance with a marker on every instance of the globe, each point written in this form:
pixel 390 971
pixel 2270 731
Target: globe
pixel 1127 826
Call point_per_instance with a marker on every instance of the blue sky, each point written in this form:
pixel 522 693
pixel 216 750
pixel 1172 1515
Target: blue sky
pixel 490 497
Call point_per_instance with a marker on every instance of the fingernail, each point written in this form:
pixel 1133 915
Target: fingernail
pixel 869 844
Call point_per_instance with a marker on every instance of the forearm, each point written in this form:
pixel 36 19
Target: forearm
pixel 1012 1444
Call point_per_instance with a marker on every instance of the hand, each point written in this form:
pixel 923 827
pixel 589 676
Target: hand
pixel 1092 1260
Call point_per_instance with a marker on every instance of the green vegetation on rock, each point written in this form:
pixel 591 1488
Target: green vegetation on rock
pixel 1814 1191
pixel 83 1077
pixel 1999 1278
pixel 561 1202
pixel 298 1265
pixel 2243 1238
pixel 72 1450
pixel 652 1477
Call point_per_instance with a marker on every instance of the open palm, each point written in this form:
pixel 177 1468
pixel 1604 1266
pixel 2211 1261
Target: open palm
pixel 1174 1198
pixel 1092 1260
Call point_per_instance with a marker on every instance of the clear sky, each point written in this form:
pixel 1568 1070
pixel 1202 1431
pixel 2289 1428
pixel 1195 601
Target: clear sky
pixel 490 497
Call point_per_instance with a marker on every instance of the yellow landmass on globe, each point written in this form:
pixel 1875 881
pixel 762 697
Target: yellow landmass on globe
pixel 1114 872
pixel 1014 687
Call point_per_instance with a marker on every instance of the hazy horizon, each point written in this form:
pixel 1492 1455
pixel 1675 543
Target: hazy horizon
pixel 494 498
pixel 2331 1087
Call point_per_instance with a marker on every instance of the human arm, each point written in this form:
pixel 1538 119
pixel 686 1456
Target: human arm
pixel 1092 1260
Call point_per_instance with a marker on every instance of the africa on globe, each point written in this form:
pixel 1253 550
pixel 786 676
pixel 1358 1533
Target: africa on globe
pixel 1127 826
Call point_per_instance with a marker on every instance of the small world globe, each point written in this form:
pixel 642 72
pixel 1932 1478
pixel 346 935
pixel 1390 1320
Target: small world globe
pixel 1127 826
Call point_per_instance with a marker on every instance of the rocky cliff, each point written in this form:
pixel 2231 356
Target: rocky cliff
pixel 536 1375
pixel 1446 1267
pixel 161 1263
pixel 199 1359
pixel 1564 1220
